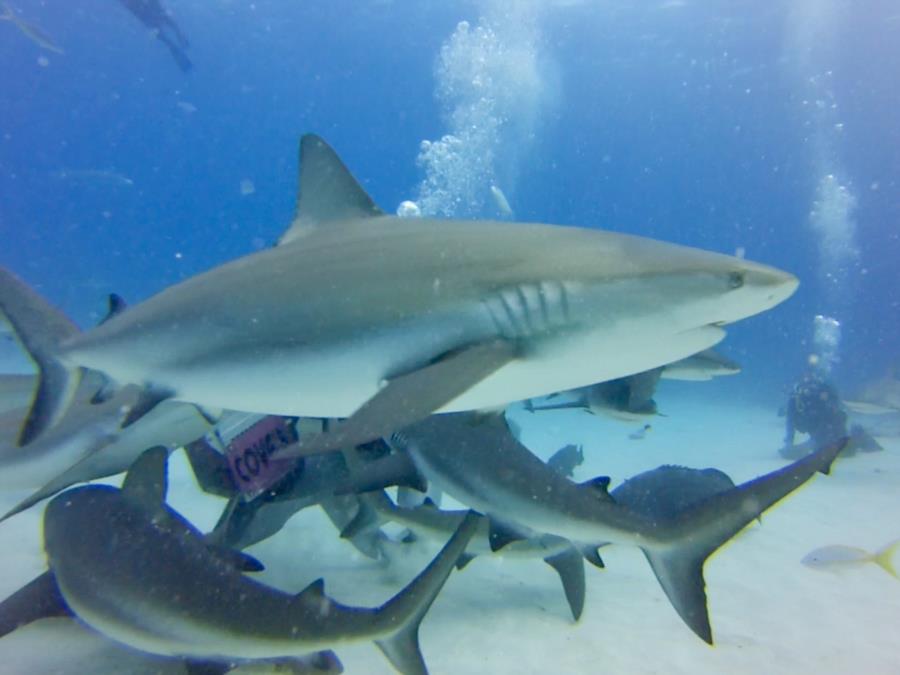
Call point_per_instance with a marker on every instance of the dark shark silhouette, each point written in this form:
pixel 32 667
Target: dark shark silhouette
pixel 157 18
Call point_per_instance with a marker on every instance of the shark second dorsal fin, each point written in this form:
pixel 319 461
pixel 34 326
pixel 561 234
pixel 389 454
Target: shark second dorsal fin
pixel 327 191
pixel 147 480
pixel 314 592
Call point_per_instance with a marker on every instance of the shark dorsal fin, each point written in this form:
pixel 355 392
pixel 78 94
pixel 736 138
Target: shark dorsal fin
pixel 146 481
pixel 327 191
pixel 315 591
pixel 116 305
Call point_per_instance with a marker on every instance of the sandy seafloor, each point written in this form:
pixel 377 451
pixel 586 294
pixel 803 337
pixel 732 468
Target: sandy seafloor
pixel 770 614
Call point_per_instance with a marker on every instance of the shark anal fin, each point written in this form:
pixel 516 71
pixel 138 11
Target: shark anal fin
pixel 410 397
pixel 570 568
pixel 38 599
pixel 147 481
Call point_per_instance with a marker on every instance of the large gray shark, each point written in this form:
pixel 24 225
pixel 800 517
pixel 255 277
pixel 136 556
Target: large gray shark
pixel 485 468
pixel 386 319
pixel 133 569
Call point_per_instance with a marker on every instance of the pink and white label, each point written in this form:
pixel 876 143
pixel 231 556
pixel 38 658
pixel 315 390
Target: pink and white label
pixel 249 454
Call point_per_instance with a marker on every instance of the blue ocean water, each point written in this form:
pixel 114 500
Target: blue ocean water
pixel 709 124
pixel 767 129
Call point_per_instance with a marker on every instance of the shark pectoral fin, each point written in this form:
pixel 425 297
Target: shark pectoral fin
pixel 410 397
pixel 210 469
pixel 326 192
pixel 146 482
pixel 148 399
pixel 409 606
pixel 570 568
pixel 700 529
pixel 500 535
pixel 237 559
pixel 38 599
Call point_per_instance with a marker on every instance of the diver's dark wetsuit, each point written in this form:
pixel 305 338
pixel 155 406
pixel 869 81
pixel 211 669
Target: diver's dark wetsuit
pixel 815 408
pixel 152 14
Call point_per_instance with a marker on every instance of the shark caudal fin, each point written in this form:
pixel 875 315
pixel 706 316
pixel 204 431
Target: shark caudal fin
pixel 407 609
pixel 40 328
pixel 698 531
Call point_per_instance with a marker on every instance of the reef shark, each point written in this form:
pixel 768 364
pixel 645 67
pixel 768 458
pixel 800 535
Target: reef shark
pixel 393 318
pixel 133 569
pixel 430 522
pixel 484 467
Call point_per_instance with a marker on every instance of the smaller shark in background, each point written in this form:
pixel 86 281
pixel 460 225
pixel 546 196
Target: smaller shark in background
pixel 158 19
pixel 133 569
pixel 701 366
pixel 485 468
pixel 30 30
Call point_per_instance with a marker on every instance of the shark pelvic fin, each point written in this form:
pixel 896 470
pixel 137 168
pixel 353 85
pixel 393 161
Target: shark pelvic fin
pixel 40 328
pixel 147 480
pixel 327 191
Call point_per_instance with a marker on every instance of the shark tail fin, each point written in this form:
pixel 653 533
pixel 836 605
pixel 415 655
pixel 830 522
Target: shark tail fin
pixel 40 328
pixel 570 568
pixel 407 609
pixel 699 530
pixel 885 558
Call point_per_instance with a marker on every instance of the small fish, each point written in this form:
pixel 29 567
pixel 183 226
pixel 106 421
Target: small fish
pixel 838 556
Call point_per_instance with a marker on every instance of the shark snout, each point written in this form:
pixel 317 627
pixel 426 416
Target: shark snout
pixel 756 288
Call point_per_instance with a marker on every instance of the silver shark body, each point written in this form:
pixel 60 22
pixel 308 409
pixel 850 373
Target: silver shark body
pixel 133 569
pixel 352 299
pixel 352 305
pixel 484 467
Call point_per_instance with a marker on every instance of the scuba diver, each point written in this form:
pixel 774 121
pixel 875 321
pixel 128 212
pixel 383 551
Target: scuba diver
pixel 815 408
pixel 152 14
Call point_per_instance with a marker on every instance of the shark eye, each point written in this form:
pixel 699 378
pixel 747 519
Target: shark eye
pixel 735 280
